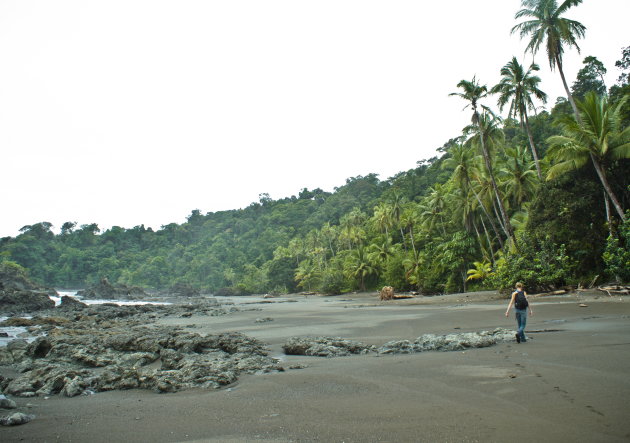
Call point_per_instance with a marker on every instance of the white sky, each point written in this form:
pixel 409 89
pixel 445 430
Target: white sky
pixel 138 111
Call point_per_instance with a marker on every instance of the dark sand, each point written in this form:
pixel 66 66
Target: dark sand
pixel 569 383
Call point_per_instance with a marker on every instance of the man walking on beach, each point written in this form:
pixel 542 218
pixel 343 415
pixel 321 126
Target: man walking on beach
pixel 521 304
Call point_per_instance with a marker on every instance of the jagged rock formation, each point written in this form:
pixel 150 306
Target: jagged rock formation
pixel 104 290
pixel 335 347
pixel 18 294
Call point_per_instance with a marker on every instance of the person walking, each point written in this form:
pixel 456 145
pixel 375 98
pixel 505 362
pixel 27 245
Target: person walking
pixel 521 304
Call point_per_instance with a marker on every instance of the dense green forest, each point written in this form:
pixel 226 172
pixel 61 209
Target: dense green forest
pixel 537 196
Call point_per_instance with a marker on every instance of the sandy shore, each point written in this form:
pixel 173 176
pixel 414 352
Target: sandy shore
pixel 568 383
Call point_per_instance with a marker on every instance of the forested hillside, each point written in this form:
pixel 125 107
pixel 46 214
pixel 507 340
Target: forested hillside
pixel 536 196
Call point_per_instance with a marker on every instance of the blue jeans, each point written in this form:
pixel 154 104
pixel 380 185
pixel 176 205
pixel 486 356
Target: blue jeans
pixel 521 320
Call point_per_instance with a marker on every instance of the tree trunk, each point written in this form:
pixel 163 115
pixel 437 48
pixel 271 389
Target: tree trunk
pixel 485 211
pixel 533 147
pixel 602 177
pixel 608 215
pixel 485 230
pixel 568 91
pixel 598 167
pixel 413 243
pixel 498 217
pixel 486 158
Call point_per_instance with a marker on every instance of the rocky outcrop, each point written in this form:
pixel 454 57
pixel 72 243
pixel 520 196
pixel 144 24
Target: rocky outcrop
pixel 335 347
pixel 17 418
pixel 70 303
pixel 104 290
pixel 18 294
pixel 325 347
pixel 449 342
pixel 71 362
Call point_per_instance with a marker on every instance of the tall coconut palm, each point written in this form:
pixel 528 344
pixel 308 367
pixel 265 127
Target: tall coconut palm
pixel 490 136
pixel 473 92
pixel 462 161
pixel 518 87
pixel 546 25
pixel 600 137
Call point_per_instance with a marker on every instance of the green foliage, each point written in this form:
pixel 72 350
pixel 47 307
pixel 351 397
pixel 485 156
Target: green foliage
pixel 590 78
pixel 481 271
pixel 568 211
pixel 539 264
pixel 617 253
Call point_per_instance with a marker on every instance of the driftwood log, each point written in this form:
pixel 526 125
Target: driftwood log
pixel 387 293
pixel 615 289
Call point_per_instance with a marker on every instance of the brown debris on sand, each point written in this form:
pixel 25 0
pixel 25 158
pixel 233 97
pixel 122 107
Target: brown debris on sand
pixel 615 289
pixel 387 293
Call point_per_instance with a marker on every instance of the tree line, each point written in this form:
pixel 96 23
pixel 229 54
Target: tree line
pixel 537 196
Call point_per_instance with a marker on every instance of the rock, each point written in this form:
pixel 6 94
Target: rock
pixel 73 387
pixel 325 347
pixel 335 347
pixel 24 301
pixel 71 303
pixel 6 403
pixel 449 342
pixel 19 294
pixel 105 290
pixel 70 360
pixel 17 418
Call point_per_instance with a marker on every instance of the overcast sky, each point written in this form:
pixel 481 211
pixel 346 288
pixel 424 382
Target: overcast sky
pixel 139 111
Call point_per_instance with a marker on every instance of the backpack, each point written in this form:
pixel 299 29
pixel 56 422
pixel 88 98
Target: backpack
pixel 521 301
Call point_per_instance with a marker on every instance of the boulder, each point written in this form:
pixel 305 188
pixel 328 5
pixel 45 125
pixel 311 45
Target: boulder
pixel 17 418
pixel 6 403
pixel 19 294
pixel 104 290
pixel 71 304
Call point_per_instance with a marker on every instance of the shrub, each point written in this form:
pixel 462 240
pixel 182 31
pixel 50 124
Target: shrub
pixel 617 253
pixel 540 265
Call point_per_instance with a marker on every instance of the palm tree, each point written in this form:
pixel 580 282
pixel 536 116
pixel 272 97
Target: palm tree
pixel 518 87
pixel 490 137
pixel 383 217
pixel 359 266
pixel 480 271
pixel 548 27
pixel 435 206
pixel 486 126
pixel 600 137
pixel 517 172
pixel 462 161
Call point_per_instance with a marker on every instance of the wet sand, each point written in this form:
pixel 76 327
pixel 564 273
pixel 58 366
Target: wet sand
pixel 568 383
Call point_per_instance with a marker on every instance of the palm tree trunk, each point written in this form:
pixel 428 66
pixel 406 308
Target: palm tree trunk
pixel 402 235
pixel 483 208
pixel 485 230
pixel 486 158
pixel 608 216
pixel 533 147
pixel 602 177
pixel 598 167
pixel 496 214
pixel 568 91
pixel 413 243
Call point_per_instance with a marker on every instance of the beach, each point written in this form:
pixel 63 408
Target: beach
pixel 569 382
